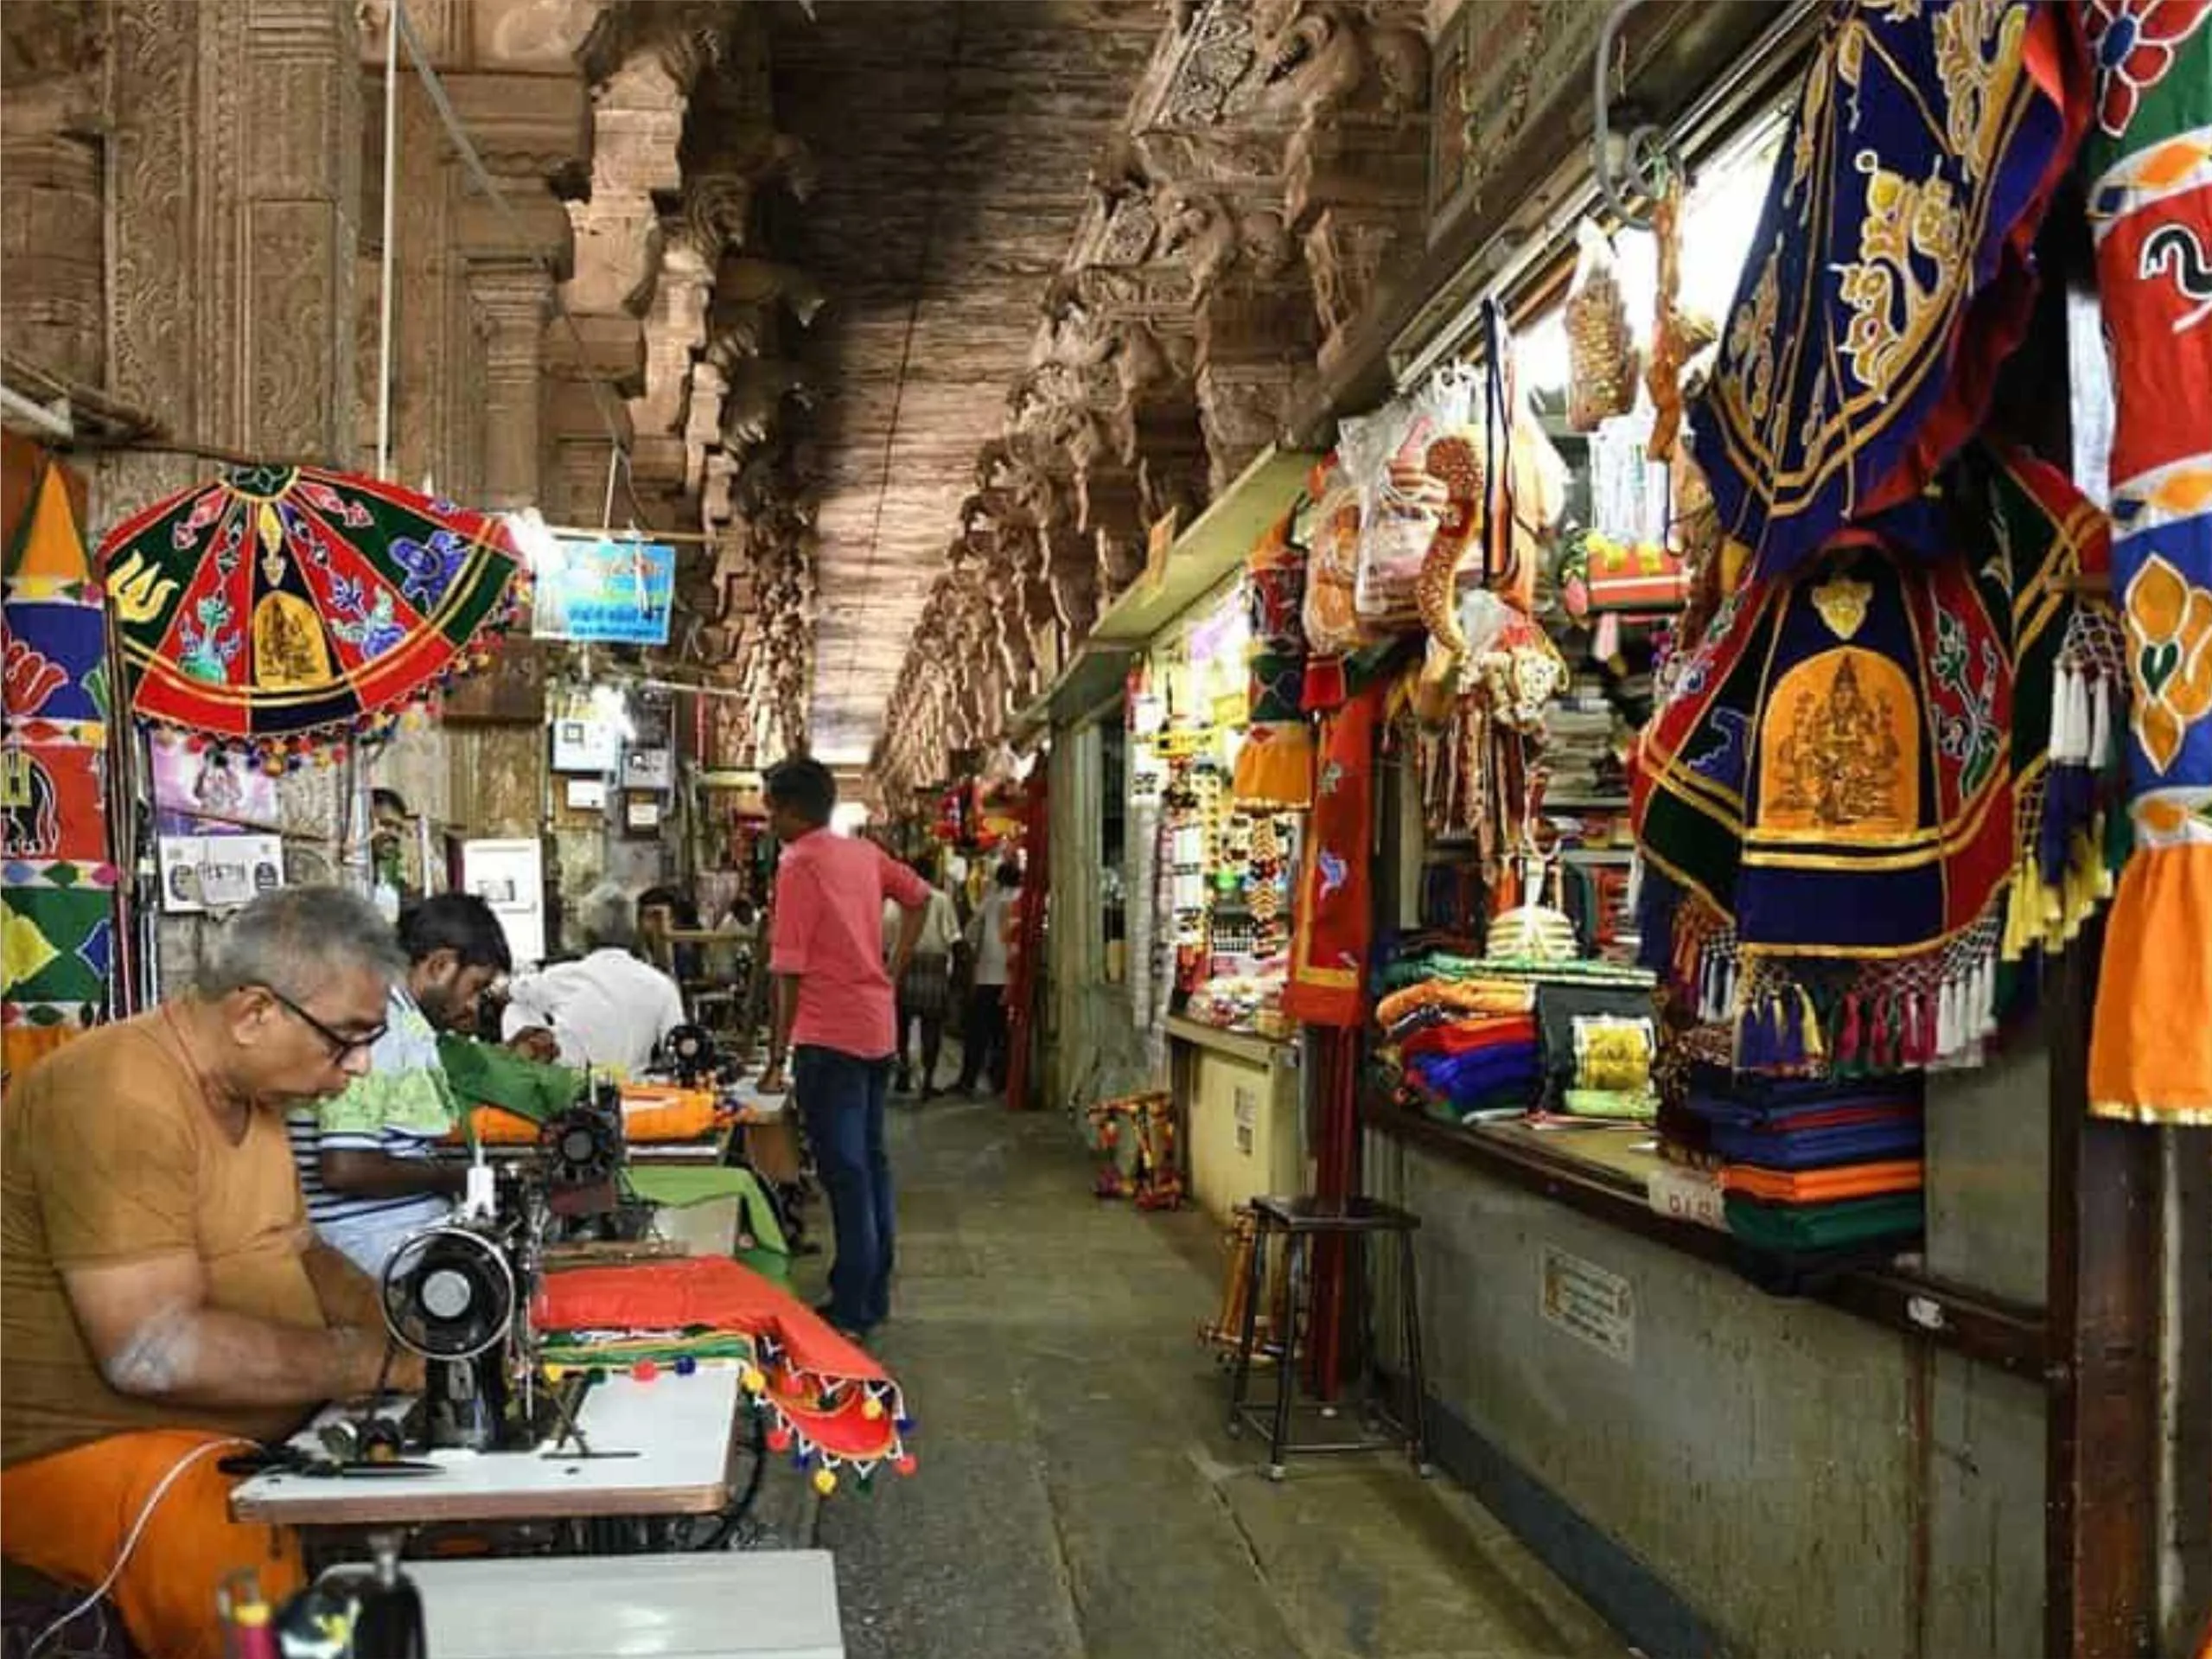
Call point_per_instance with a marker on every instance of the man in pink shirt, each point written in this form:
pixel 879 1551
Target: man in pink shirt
pixel 835 1017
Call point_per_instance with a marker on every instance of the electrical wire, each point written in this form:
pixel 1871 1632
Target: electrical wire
pixel 129 1541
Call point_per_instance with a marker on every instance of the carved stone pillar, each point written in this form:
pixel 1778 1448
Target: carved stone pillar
pixel 52 304
pixel 1358 193
pixel 1255 352
pixel 236 182
pixel 515 301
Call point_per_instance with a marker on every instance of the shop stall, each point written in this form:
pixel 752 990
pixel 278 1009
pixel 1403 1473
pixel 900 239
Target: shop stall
pixel 1725 621
pixel 1172 894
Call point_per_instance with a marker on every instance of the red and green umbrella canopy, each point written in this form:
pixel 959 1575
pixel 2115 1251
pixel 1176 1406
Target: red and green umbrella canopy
pixel 278 609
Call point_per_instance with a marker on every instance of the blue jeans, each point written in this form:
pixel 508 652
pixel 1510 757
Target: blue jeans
pixel 841 1098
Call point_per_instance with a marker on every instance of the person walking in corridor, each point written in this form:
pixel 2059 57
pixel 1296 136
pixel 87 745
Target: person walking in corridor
pixel 834 1018
pixel 989 939
pixel 925 995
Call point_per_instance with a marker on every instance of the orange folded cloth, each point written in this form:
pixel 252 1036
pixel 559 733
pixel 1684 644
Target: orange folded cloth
pixel 652 1113
pixel 1467 996
pixel 1822 1186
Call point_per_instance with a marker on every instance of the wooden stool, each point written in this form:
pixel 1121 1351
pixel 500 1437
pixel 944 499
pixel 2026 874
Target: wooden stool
pixel 1299 1220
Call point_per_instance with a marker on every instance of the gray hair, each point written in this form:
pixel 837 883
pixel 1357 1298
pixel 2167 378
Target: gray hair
pixel 606 918
pixel 292 939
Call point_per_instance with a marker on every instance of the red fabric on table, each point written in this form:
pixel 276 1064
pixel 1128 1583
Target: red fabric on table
pixel 1470 1036
pixel 812 1360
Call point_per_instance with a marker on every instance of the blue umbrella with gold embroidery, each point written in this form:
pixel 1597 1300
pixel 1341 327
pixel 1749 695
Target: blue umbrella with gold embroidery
pixel 277 609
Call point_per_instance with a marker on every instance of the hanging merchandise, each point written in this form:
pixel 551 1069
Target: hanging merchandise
pixel 58 902
pixel 280 608
pixel 1890 273
pixel 1826 806
pixel 2150 160
pixel 1334 918
pixel 1402 503
pixel 1275 766
pixel 2069 669
pixel 1333 624
pixel 1677 336
pixel 1601 350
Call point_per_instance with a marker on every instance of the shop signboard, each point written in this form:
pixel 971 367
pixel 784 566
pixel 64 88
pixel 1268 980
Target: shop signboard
pixel 603 590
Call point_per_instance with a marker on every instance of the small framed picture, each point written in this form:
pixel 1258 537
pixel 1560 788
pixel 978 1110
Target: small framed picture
pixel 641 814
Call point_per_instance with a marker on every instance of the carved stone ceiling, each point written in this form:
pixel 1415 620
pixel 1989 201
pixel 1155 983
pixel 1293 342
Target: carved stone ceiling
pixel 953 139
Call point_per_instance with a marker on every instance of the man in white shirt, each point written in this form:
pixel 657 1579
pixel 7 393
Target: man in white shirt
pixel 925 989
pixel 990 932
pixel 610 1010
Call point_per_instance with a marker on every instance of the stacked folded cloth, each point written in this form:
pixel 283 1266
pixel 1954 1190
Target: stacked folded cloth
pixel 1465 1047
pixel 1818 1174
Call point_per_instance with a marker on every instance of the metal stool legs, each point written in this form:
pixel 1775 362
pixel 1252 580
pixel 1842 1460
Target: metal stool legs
pixel 1286 1367
pixel 1409 1298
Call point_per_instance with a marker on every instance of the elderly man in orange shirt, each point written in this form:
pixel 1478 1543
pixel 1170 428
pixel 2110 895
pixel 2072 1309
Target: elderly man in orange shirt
pixel 163 1300
pixel 835 1016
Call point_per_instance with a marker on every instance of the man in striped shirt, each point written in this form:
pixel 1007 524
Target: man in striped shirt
pixel 364 1154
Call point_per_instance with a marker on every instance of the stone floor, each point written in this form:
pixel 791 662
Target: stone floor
pixel 1077 1494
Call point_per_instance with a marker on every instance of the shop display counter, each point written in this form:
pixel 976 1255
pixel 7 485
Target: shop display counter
pixel 1237 1093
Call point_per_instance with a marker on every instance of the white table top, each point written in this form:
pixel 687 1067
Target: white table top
pixel 680 1426
pixel 764 1605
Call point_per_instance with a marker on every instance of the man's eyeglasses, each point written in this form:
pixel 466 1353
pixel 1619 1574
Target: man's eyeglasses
pixel 342 1046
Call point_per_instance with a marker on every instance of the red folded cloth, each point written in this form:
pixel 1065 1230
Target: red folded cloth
pixel 1471 1035
pixel 825 1390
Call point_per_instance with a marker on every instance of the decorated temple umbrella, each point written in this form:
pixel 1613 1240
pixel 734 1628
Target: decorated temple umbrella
pixel 282 610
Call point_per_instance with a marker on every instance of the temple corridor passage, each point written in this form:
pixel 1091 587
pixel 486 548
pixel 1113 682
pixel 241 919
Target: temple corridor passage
pixel 1077 1494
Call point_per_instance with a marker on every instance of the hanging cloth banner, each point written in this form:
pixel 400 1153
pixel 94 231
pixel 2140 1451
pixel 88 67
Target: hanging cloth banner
pixel 1334 919
pixel 2149 161
pixel 1275 767
pixel 1844 808
pixel 1889 274
pixel 279 608
pixel 57 884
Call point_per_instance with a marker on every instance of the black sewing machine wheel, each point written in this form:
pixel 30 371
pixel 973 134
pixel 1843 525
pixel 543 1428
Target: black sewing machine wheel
pixel 690 1050
pixel 448 1293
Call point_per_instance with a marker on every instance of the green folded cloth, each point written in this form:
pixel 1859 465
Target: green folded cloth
pixel 1819 1227
pixel 1635 1108
pixel 679 1187
pixel 482 1073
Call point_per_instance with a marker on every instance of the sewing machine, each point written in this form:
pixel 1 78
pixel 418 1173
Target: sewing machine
pixel 458 1294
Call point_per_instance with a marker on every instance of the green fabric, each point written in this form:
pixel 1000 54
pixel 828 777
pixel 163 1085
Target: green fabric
pixel 483 1074
pixel 1609 1103
pixel 1442 964
pixel 1819 1227
pixel 665 1348
pixel 679 1187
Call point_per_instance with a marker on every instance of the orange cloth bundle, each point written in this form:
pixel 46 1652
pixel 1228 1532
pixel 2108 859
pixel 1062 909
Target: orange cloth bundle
pixel 1822 1186
pixel 1463 996
pixel 832 1403
pixel 653 1114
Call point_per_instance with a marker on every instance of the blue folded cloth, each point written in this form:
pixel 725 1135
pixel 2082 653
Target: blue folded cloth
pixel 1819 1149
